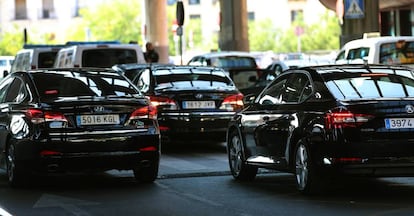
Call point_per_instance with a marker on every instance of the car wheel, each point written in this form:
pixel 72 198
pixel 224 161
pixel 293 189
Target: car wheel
pixel 238 167
pixel 147 174
pixel 16 173
pixel 306 180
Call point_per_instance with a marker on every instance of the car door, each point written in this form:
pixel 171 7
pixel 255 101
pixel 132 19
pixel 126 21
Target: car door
pixel 280 106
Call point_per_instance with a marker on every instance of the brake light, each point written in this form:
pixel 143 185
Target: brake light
pixel 233 102
pixel 38 116
pixel 149 148
pixel 345 119
pixel 145 112
pixel 49 153
pixel 163 102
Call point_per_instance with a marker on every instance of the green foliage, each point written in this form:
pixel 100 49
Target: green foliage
pixel 323 35
pixel 11 41
pixel 112 20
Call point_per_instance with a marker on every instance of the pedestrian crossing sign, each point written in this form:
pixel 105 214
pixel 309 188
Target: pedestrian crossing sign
pixel 354 9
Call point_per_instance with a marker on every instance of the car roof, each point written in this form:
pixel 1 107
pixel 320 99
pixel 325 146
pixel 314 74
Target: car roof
pixel 365 42
pixel 226 53
pixel 356 68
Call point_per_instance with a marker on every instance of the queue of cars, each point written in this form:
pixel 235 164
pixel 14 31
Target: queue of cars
pixel 316 122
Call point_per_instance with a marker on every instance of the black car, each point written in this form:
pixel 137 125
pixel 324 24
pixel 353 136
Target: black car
pixel 240 66
pixel 327 121
pixel 76 120
pixel 194 102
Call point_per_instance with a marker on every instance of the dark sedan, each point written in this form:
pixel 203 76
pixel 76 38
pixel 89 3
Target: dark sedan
pixel 326 121
pixel 194 102
pixel 76 120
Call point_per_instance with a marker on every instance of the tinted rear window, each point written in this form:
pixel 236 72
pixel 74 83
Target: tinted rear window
pixel 72 84
pixel 106 58
pixel 234 62
pixel 46 59
pixel 192 78
pixel 375 85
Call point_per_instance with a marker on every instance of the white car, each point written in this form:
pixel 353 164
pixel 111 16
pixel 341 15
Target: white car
pixel 378 50
pixel 102 55
pixel 5 64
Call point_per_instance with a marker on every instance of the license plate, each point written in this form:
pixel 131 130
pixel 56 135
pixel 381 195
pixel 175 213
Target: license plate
pixel 399 123
pixel 97 119
pixel 199 105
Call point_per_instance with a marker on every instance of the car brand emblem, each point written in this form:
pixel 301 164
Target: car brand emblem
pixel 198 96
pixel 409 109
pixel 98 109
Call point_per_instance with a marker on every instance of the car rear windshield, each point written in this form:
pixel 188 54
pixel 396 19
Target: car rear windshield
pixel 74 84
pixel 46 59
pixel 106 58
pixel 192 78
pixel 344 85
pixel 400 52
pixel 230 62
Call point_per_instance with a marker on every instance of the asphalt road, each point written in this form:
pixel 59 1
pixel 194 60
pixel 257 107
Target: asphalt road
pixel 194 180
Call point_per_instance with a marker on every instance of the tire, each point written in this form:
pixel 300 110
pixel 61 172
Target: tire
pixel 147 174
pixel 307 181
pixel 237 161
pixel 17 175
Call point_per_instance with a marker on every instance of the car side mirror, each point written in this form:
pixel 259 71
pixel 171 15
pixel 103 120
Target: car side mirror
pixel 5 73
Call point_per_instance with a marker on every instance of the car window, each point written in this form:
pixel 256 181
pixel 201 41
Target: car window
pixel 143 81
pixel 358 53
pixel 234 62
pixel 51 85
pixel 4 85
pixel 273 93
pixel 108 57
pixel 192 78
pixel 297 88
pixel 46 59
pixel 362 86
pixel 400 52
pixel 17 91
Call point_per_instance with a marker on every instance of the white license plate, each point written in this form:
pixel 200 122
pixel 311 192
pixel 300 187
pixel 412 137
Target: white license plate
pixel 199 105
pixel 97 119
pixel 399 123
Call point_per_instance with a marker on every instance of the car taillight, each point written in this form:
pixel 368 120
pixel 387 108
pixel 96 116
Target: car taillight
pixel 163 103
pixel 345 119
pixel 38 116
pixel 233 102
pixel 149 112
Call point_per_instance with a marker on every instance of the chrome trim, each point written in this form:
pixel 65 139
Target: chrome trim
pixel 98 132
pixel 198 113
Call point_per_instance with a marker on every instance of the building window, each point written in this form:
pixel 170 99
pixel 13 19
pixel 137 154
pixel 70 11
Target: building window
pixel 195 16
pixel 193 2
pixel 48 9
pixel 294 14
pixel 250 16
pixel 21 9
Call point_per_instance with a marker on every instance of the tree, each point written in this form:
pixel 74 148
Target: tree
pixel 113 20
pixel 11 41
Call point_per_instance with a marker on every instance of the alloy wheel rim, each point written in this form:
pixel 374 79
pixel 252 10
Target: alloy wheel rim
pixel 302 167
pixel 235 155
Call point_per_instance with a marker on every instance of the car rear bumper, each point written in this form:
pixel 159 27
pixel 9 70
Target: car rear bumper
pixel 376 167
pixel 210 125
pixel 101 154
